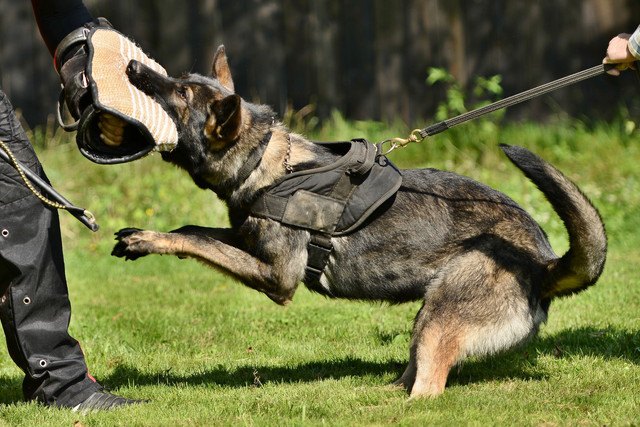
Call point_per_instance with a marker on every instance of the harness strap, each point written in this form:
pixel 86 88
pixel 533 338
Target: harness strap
pixel 364 157
pixel 270 206
pixel 319 249
pixel 303 209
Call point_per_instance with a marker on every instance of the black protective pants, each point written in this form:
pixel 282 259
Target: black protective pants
pixel 34 302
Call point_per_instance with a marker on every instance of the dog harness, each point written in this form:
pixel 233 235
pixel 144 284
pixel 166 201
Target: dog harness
pixel 332 200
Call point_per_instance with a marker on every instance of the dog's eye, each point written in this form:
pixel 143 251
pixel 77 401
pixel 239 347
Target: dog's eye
pixel 183 91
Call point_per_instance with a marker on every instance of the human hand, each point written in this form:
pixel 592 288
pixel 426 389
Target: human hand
pixel 111 129
pixel 618 53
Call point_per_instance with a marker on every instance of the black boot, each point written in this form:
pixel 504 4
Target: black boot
pixel 103 400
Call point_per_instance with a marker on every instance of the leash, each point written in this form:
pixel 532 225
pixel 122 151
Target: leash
pixel 59 202
pixel 418 135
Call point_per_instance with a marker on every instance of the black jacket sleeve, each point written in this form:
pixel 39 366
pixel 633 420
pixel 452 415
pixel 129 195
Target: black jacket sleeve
pixel 57 18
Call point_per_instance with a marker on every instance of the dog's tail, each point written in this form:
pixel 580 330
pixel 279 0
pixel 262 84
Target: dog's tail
pixel 583 263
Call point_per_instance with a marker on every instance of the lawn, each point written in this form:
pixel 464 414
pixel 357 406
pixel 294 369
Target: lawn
pixel 207 351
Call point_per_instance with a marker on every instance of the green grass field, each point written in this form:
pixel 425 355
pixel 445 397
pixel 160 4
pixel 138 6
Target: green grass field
pixel 207 351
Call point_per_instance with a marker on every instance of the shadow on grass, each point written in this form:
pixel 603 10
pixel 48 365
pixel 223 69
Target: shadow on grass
pixel 520 363
pixel 609 343
pixel 256 375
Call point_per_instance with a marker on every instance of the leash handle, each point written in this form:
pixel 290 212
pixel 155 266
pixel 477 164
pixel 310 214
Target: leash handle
pixel 28 176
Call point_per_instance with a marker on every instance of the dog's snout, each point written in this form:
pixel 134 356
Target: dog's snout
pixel 134 67
pixel 145 78
pixel 141 76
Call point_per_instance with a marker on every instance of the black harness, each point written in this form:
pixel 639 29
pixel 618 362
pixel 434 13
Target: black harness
pixel 332 200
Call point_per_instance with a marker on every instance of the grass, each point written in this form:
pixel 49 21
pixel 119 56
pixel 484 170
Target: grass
pixel 208 351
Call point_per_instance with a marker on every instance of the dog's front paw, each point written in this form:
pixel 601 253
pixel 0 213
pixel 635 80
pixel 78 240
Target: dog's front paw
pixel 131 244
pixel 124 232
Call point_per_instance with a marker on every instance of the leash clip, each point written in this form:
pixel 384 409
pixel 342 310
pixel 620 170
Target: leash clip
pixel 414 136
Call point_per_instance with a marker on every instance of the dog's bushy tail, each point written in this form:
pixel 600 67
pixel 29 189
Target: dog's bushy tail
pixel 583 263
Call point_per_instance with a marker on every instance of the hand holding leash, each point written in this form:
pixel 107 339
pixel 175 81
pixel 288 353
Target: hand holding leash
pixel 619 54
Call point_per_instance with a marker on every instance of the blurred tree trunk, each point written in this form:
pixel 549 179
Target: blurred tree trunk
pixel 366 58
pixel 323 35
pixel 458 45
pixel 389 46
pixel 356 47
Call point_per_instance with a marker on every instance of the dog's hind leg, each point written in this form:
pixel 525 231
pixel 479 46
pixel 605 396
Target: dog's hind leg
pixel 428 367
pixel 408 377
pixel 478 306
pixel 433 351
pixel 437 350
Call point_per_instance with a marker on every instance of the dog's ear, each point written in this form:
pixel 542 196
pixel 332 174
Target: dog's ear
pixel 220 69
pixel 224 121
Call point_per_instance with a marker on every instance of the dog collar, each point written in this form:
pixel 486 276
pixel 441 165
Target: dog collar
pixel 254 159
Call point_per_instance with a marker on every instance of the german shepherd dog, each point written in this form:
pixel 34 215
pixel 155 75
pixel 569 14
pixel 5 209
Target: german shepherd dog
pixel 482 266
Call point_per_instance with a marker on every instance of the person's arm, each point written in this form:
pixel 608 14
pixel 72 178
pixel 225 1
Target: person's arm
pixel 57 18
pixel 634 44
pixel 623 50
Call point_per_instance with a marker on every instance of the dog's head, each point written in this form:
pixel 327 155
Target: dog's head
pixel 210 117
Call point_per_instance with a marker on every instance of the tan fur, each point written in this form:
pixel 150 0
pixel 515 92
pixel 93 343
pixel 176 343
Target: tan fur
pixel 272 166
pixel 438 349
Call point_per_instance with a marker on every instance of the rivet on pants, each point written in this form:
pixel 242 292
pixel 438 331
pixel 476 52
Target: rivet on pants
pixel 26 300
pixel 5 232
pixel 43 363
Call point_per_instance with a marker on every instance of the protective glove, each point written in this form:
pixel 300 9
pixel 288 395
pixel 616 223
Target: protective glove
pixel 70 62
pixel 115 121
